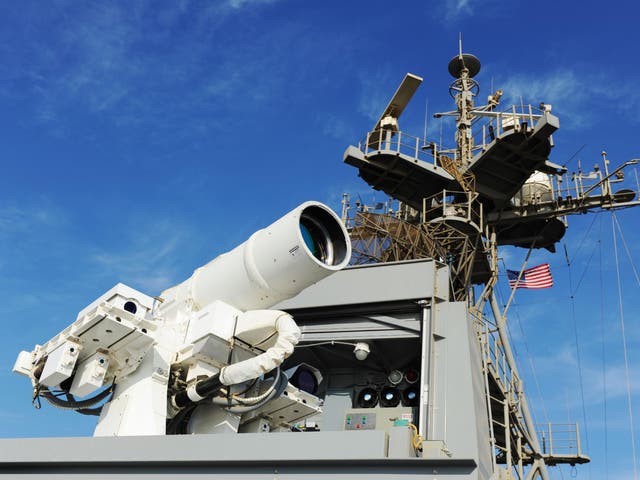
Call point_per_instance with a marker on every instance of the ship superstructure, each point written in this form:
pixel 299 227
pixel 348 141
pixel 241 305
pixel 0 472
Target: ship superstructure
pixel 495 186
pixel 273 360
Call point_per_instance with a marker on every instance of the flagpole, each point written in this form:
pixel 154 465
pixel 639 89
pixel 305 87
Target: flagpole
pixel 515 287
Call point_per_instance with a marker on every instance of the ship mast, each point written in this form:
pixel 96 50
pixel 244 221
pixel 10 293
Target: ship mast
pixel 464 89
pixel 497 186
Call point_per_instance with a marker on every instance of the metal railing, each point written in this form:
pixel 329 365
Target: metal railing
pixel 488 126
pixel 397 142
pixel 450 203
pixel 576 190
pixel 560 439
pixel 540 194
pixel 492 124
pixel 496 360
pixel 597 182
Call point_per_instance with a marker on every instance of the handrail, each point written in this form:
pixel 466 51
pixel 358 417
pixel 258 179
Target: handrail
pixel 397 142
pixel 493 124
pixel 560 439
pixel 452 203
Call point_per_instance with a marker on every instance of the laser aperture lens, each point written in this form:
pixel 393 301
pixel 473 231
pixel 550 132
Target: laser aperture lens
pixel 317 239
pixel 309 241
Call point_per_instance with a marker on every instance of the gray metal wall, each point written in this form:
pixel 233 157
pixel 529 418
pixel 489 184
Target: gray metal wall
pixel 380 303
pixel 244 456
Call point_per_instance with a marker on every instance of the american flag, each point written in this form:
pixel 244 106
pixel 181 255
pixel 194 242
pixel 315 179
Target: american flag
pixel 534 277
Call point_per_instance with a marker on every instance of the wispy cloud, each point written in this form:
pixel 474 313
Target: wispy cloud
pixel 103 61
pixel 375 92
pixel 455 9
pixel 16 219
pixel 24 227
pixel 579 95
pixel 149 258
pixel 616 382
pixel 563 360
pixel 337 128
pixel 238 4
pixel 454 12
pixel 506 256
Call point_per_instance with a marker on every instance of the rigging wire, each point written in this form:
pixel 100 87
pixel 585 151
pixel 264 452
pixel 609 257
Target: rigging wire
pixel 533 369
pixel 604 359
pixel 528 352
pixel 573 292
pixel 426 120
pixel 529 358
pixel 626 247
pixel 586 268
pixel 584 237
pixel 624 347
pixel 573 156
pixel 577 340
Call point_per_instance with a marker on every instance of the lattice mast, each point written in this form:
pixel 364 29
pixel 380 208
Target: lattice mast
pixel 458 205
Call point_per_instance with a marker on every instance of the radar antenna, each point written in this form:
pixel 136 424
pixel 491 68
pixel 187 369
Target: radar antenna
pixel 388 121
pixel 495 186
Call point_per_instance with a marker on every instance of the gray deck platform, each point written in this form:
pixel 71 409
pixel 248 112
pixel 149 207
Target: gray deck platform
pixel 320 455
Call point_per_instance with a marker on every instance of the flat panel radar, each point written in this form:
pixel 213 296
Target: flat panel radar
pixel 389 118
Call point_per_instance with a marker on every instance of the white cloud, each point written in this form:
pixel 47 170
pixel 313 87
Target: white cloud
pixel 102 60
pixel 578 95
pixel 18 219
pixel 238 4
pixel 506 255
pixel 456 11
pixel 149 258
pixel 25 232
pixel 457 8
pixel 335 127
pixel 375 91
pixel 616 382
pixel 562 363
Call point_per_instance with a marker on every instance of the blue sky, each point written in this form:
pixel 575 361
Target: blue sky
pixel 140 139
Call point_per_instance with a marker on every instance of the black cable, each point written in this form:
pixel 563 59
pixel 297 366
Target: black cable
pixel 177 425
pixel 280 388
pixel 572 156
pixel 88 411
pixel 74 404
pixel 94 412
pixel 204 388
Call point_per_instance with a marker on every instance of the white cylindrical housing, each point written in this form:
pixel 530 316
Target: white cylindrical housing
pixel 537 189
pixel 276 263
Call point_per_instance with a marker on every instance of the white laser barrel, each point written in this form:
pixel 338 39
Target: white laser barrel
pixel 275 263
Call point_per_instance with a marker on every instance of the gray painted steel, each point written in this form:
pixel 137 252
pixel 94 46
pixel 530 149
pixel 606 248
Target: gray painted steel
pixel 366 284
pixel 320 455
pixel 369 302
